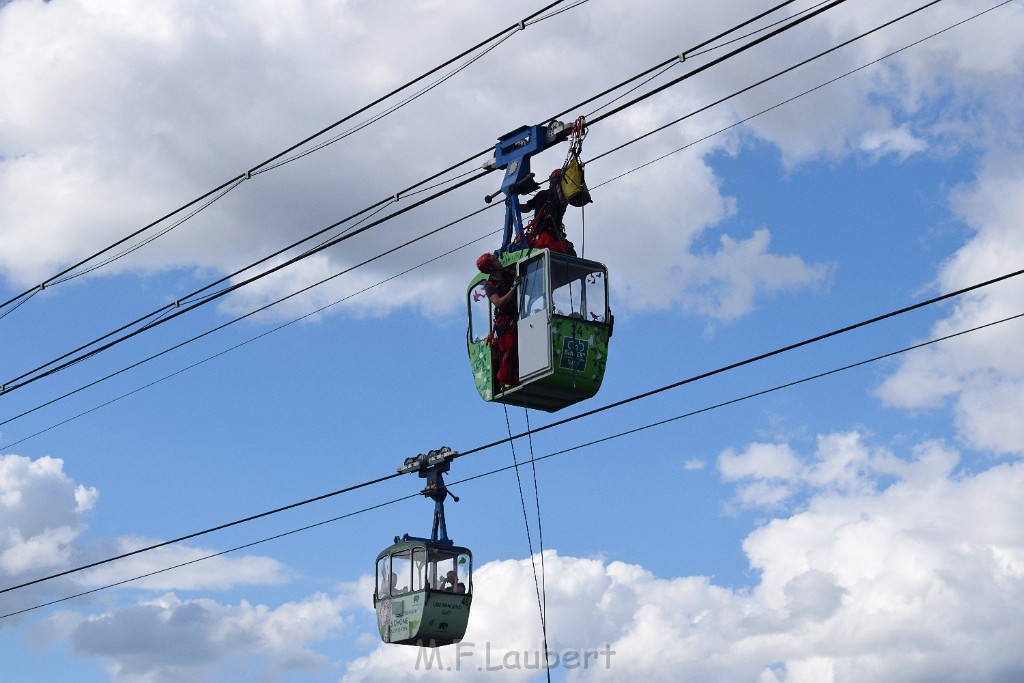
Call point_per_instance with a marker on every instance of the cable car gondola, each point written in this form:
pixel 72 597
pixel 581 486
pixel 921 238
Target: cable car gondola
pixel 563 321
pixel 424 587
pixel 563 330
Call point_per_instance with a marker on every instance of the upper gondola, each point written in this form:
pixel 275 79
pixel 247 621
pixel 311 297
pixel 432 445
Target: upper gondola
pixel 545 344
pixel 563 328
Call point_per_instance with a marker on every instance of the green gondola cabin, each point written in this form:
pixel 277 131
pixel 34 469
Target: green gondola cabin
pixel 563 331
pixel 424 586
pixel 424 592
pixel 564 322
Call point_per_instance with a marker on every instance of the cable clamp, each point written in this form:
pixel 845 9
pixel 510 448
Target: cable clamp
pixel 398 196
pixel 248 174
pixel 42 286
pixel 522 25
pixel 682 58
pixel 432 458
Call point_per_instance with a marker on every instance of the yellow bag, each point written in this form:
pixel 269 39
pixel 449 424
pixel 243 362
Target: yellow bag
pixel 574 186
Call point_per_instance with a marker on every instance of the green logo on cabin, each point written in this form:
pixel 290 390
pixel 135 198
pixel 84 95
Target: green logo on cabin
pixel 574 354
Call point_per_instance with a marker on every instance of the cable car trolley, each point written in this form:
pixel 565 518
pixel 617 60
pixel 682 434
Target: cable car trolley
pixel 424 587
pixel 545 346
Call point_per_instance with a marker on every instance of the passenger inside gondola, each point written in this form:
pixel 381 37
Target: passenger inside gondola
pixel 448 570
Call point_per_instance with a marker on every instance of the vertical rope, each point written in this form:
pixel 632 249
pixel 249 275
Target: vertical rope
pixel 540 540
pixel 529 541
pixel 583 231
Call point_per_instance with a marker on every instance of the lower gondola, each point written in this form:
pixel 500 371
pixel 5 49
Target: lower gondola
pixel 424 592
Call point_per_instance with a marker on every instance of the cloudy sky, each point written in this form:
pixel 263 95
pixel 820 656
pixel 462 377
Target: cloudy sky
pixel 860 526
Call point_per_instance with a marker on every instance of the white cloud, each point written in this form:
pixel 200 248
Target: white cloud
pixel 891 568
pixel 769 474
pixel 217 573
pixel 169 639
pixel 949 90
pixel 724 285
pixel 893 584
pixel 40 513
pixel 980 374
pixel 890 579
pixel 899 141
pixel 765 461
pixel 42 518
pixel 95 148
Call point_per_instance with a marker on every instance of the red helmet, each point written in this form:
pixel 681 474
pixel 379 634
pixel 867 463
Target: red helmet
pixel 483 263
pixel 556 172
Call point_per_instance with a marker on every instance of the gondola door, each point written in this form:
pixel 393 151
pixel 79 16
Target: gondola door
pixel 534 327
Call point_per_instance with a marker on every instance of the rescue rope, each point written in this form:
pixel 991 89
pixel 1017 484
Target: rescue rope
pixel 541 604
pixel 583 231
pixel 540 542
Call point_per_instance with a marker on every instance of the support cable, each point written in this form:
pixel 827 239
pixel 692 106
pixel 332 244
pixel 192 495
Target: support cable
pixel 532 461
pixel 20 300
pixel 558 423
pixel 737 123
pixel 250 340
pixel 135 247
pixel 259 168
pixel 234 181
pixel 733 53
pixel 266 307
pixel 776 105
pixel 697 52
pixel 670 61
pixel 70 358
pixel 574 5
pixel 670 64
pixel 797 66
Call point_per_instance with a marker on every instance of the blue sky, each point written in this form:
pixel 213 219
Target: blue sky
pixel 858 527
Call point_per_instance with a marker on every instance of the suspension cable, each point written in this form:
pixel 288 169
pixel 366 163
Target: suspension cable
pixel 243 317
pixel 228 185
pixel 52 367
pixel 821 85
pixel 70 358
pixel 671 60
pixel 533 460
pixel 797 66
pixel 558 423
pixel 529 432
